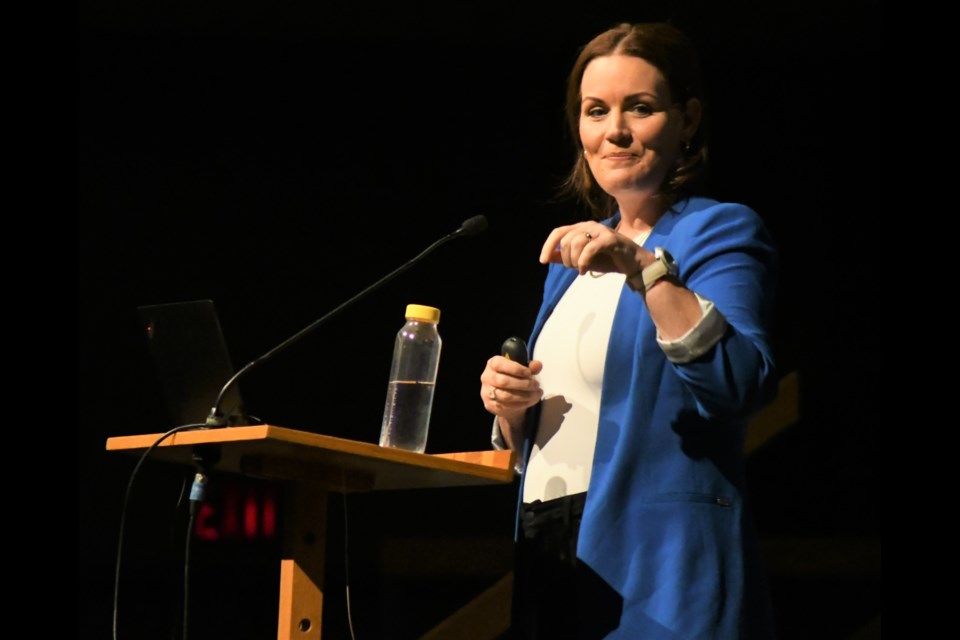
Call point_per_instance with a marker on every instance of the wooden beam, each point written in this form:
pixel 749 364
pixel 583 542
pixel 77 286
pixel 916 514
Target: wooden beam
pixel 486 617
pixel 777 416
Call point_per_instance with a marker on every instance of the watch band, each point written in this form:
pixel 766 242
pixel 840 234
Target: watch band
pixel 654 273
pixel 662 266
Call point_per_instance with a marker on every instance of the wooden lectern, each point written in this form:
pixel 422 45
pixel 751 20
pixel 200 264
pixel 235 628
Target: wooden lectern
pixel 310 467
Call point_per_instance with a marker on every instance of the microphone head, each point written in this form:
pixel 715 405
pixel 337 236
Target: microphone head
pixel 473 226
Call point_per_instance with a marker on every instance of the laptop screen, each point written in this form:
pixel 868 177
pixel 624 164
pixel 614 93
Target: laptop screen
pixel 191 359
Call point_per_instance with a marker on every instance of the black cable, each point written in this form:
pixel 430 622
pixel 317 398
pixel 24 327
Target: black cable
pixel 203 457
pixel 123 517
pixel 346 562
pixel 196 497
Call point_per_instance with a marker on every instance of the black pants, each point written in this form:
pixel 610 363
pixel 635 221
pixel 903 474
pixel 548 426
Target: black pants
pixel 555 595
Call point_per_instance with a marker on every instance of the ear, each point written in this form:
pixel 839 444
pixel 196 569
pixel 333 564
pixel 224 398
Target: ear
pixel 692 113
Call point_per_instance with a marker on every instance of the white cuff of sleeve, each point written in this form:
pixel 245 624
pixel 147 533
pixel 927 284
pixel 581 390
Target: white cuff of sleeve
pixel 699 339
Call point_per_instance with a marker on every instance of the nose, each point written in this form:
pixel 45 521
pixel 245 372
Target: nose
pixel 617 131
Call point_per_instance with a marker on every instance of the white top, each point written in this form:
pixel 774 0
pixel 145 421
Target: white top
pixel 573 348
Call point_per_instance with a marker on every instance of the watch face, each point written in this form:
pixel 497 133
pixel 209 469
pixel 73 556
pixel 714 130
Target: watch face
pixel 667 259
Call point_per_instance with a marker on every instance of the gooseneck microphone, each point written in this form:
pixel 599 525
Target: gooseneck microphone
pixel 470 227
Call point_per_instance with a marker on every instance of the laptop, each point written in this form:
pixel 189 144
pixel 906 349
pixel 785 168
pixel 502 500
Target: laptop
pixel 192 362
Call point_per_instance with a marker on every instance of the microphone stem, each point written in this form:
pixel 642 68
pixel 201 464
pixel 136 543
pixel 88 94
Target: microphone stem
pixel 216 419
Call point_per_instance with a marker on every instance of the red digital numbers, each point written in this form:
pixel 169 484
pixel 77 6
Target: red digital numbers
pixel 239 511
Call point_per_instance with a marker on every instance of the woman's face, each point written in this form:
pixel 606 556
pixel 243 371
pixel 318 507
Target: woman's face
pixel 630 129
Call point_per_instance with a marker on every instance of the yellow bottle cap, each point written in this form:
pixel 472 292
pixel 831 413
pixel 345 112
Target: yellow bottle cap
pixel 420 312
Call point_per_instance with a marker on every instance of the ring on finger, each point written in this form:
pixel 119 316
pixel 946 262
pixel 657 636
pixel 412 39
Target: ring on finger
pixel 589 235
pixel 492 394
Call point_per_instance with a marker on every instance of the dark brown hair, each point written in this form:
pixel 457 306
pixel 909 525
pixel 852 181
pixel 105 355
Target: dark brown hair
pixel 673 54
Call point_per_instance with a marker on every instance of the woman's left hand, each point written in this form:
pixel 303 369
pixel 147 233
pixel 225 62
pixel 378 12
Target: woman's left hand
pixel 591 246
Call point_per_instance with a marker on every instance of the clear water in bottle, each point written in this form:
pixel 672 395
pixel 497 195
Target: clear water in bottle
pixel 413 377
pixel 407 410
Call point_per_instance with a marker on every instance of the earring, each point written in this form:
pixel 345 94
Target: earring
pixel 686 146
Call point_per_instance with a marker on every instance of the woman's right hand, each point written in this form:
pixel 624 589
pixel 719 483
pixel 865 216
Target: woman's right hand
pixel 508 389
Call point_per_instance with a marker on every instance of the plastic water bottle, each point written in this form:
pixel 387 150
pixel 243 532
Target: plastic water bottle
pixel 413 378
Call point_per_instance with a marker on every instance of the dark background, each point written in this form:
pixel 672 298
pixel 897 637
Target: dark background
pixel 279 158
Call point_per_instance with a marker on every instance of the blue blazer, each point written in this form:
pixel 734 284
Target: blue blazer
pixel 665 524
